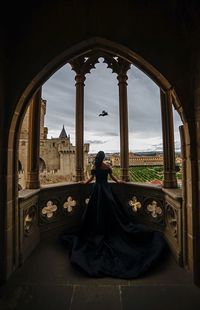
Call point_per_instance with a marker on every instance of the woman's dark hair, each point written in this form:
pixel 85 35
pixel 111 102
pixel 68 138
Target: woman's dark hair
pixel 99 158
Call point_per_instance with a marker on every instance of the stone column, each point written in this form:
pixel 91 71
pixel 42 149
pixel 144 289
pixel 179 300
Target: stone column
pixel 123 116
pixel 32 180
pixel 184 195
pixel 193 186
pixel 81 66
pixel 80 78
pixel 120 67
pixel 168 140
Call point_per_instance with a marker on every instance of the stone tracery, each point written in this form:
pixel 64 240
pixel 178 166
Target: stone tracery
pixel 83 65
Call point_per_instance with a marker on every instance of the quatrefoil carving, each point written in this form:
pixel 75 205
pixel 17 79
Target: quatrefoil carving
pixel 87 201
pixel 69 204
pixel 50 209
pixel 135 204
pixel 154 209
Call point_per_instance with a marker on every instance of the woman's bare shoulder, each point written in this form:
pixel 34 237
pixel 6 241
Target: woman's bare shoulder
pixel 106 166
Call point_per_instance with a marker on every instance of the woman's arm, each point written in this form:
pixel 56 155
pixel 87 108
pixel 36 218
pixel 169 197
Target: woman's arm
pixel 115 179
pixel 89 180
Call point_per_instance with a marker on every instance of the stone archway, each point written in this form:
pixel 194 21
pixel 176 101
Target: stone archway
pixel 35 84
pixel 42 166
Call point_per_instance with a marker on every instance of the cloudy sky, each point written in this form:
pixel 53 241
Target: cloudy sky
pixel 101 93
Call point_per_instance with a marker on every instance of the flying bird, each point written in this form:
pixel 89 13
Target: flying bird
pixel 103 113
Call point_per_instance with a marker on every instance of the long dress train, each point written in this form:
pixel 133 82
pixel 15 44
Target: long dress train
pixel 108 243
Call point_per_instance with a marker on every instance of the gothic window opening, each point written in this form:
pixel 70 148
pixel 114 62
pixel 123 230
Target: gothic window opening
pixel 111 106
pixel 101 131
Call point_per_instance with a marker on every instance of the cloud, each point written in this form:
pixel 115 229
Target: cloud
pixel 177 145
pixel 157 147
pixel 95 141
pixel 59 91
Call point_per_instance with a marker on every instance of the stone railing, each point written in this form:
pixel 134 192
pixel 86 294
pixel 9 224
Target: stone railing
pixel 29 235
pixel 174 230
pixel 58 207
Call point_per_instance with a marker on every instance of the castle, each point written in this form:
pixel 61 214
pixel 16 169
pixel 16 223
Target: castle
pixel 57 155
pixel 136 160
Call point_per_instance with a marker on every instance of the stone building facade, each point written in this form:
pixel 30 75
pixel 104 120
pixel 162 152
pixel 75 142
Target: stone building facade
pixel 135 160
pixel 142 160
pixel 57 155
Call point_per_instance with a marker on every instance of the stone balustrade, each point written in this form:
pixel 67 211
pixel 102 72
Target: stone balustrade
pixel 58 207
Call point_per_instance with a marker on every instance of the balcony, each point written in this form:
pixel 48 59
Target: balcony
pixel 58 207
pixel 47 279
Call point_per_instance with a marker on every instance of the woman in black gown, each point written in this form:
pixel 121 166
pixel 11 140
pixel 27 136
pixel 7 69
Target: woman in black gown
pixel 108 243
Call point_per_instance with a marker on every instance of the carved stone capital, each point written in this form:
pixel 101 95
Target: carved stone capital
pixel 117 64
pixel 80 78
pixel 122 78
pixel 124 66
pixel 77 64
pixel 83 64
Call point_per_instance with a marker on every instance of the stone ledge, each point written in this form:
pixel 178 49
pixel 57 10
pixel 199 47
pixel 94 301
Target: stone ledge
pixel 145 185
pixel 27 193
pixel 56 185
pixel 175 193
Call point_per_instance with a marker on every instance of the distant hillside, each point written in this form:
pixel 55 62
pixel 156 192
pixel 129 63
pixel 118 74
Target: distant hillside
pixel 150 153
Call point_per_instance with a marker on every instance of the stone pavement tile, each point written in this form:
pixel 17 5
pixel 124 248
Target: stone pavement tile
pixel 47 264
pixel 167 273
pixel 70 275
pixel 96 297
pixel 35 297
pixel 50 263
pixel 161 297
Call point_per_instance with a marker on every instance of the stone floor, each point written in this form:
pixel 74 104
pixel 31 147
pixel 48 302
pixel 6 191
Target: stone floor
pixel 48 281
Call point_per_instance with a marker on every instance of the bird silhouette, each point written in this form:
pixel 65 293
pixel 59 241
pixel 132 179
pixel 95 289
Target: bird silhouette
pixel 103 113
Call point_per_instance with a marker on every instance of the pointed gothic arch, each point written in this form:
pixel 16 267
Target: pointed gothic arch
pixel 42 166
pixel 82 48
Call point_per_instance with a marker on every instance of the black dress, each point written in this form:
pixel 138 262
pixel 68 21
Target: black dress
pixel 108 243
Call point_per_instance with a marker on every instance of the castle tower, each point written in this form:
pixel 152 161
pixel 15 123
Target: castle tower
pixel 25 123
pixel 43 130
pixel 64 152
pixel 58 155
pixel 63 134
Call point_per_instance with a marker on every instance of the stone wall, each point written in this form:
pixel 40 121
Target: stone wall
pixel 57 155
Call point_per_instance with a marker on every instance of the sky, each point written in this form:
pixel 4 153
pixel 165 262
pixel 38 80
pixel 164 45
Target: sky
pixel 101 93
